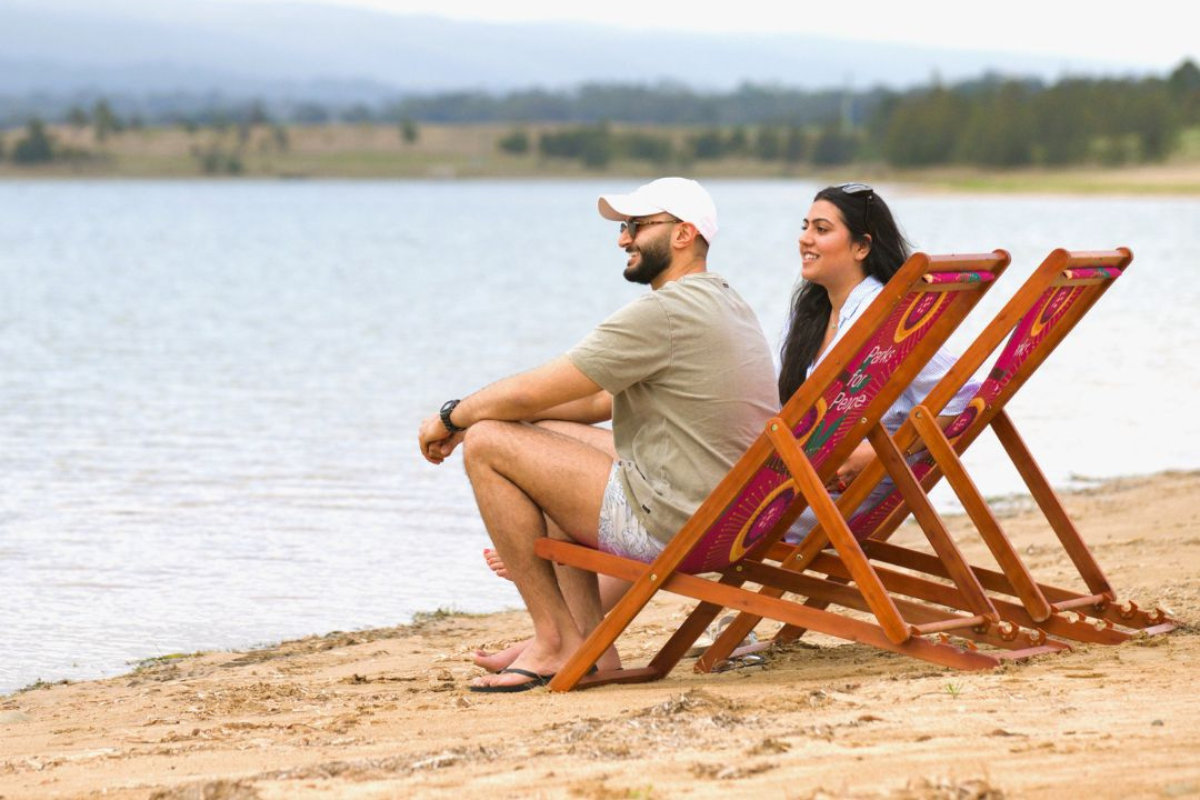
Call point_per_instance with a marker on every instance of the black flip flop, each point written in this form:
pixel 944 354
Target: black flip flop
pixel 535 680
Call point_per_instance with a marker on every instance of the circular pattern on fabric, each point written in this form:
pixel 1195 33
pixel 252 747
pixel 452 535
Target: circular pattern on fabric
pixel 963 422
pixel 769 510
pixel 919 313
pixel 809 422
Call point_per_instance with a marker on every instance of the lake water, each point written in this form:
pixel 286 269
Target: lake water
pixel 209 391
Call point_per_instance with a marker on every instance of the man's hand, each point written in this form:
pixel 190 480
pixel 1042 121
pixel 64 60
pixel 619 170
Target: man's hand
pixel 437 443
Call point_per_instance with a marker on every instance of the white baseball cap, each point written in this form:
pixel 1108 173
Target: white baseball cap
pixel 679 197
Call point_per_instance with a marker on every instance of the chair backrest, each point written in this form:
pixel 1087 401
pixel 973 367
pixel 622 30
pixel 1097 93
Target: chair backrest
pixel 1046 308
pixel 848 393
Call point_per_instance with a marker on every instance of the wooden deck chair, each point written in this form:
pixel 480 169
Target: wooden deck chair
pixel 1039 316
pixel 785 470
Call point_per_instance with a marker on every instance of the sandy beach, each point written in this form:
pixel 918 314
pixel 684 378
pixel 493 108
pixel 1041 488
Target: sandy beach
pixel 386 713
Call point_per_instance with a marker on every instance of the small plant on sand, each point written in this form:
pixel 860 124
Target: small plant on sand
pixel 954 689
pixel 41 684
pixel 442 612
pixel 153 662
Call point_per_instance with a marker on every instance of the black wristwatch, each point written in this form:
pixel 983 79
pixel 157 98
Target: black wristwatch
pixel 447 408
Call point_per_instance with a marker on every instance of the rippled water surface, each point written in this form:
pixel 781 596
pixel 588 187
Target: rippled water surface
pixel 209 391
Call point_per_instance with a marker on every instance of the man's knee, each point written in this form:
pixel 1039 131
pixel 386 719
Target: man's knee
pixel 485 440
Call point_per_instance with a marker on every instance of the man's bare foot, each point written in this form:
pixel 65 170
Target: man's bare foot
pixel 501 659
pixel 537 663
pixel 495 564
pixel 537 659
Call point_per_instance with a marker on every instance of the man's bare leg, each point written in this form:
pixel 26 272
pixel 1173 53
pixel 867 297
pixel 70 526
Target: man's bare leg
pixel 611 589
pixel 592 435
pixel 521 475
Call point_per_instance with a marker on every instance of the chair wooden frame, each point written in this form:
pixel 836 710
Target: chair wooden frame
pixel 785 470
pixel 1039 316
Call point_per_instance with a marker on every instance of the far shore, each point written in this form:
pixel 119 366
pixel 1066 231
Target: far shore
pixel 461 152
pixel 386 713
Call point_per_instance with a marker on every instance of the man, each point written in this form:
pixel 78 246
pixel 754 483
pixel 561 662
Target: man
pixel 686 377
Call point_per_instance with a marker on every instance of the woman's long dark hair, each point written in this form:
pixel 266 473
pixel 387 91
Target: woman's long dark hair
pixel 864 213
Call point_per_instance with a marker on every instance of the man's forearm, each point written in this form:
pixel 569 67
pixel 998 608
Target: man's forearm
pixel 506 399
pixel 527 396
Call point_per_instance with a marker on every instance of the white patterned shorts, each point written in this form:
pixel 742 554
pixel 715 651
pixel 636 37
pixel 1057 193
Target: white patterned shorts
pixel 621 532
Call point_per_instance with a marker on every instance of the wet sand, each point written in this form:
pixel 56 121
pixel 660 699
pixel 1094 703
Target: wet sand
pixel 386 713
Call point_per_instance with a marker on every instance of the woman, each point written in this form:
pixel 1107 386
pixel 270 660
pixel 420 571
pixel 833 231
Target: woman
pixel 850 246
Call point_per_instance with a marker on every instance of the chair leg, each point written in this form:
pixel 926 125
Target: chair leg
pixel 979 512
pixel 1051 506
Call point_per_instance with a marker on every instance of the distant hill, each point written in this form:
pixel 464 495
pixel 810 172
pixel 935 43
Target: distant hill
pixel 309 50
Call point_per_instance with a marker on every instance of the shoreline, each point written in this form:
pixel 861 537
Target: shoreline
pixel 1004 506
pixel 385 712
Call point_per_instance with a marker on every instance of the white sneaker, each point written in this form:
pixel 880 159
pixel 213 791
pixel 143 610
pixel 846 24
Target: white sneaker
pixel 710 635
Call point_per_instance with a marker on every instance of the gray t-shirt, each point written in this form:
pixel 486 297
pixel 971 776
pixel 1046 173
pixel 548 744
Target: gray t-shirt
pixel 693 384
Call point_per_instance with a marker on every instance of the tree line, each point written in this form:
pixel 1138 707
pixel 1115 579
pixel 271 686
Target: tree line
pixel 990 121
pixel 597 145
pixel 1013 123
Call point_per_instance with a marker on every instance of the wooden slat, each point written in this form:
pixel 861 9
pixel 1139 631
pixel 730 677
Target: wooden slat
pixel 952 624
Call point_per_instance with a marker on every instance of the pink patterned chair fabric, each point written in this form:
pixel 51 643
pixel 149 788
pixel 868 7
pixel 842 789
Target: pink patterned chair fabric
pixel 862 390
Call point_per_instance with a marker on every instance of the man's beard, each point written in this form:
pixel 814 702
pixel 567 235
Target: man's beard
pixel 655 258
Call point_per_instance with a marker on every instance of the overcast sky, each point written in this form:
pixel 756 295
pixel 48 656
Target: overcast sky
pixel 1150 33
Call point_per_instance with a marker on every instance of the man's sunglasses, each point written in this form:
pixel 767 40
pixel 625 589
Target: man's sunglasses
pixel 860 188
pixel 632 226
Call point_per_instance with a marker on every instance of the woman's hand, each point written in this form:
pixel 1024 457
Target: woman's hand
pixel 854 464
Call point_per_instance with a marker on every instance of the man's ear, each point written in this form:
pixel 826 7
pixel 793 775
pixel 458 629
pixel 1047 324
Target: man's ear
pixel 685 234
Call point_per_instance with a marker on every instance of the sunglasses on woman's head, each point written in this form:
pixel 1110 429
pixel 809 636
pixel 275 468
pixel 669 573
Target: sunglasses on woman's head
pixel 859 188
